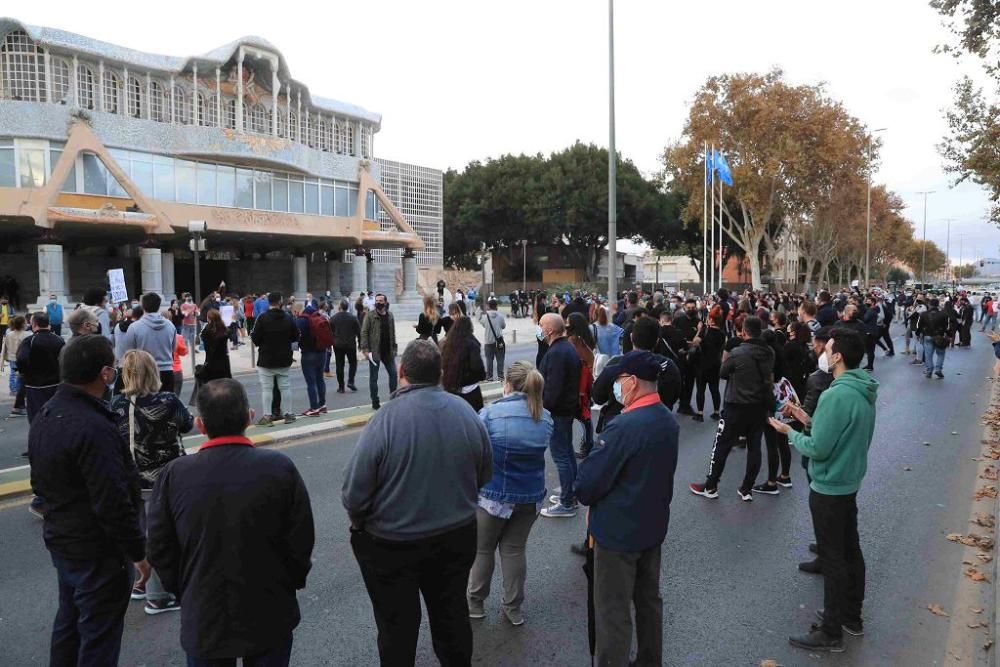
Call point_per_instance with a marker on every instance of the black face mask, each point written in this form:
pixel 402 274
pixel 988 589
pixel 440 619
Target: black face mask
pixel 692 313
pixel 381 306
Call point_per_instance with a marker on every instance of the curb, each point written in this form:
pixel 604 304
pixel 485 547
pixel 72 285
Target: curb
pixel 21 488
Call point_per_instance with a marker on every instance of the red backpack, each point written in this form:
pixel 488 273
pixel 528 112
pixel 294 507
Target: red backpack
pixel 321 331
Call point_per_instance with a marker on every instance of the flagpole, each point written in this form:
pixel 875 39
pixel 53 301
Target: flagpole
pixel 704 233
pixel 711 282
pixel 718 284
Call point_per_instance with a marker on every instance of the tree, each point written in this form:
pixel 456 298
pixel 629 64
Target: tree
pixel 897 275
pixel 972 150
pixel 976 24
pixel 966 271
pixel 787 146
pixel 935 259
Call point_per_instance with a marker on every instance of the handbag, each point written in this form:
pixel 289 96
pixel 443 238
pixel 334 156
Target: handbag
pixel 501 345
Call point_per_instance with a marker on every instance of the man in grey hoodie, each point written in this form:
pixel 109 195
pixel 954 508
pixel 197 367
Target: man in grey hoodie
pixel 154 334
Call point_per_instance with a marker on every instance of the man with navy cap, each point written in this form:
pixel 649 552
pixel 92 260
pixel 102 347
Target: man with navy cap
pixel 628 483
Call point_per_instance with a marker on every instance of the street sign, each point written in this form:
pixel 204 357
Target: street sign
pixel 116 280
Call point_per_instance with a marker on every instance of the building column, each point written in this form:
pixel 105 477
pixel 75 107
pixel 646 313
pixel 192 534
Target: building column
pixel 360 272
pixel 152 270
pixel 333 275
pixel 299 276
pixel 275 87
pixel 51 272
pixel 370 270
pixel 409 274
pixel 167 264
pixel 239 92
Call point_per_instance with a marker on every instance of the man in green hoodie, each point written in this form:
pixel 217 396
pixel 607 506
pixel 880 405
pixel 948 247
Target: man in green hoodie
pixel 837 447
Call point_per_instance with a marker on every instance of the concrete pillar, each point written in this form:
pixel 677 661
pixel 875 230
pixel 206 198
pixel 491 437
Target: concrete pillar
pixel 359 282
pixel 51 272
pixel 299 276
pixel 370 270
pixel 333 275
pixel 409 274
pixel 169 289
pixel 152 271
pixel 66 274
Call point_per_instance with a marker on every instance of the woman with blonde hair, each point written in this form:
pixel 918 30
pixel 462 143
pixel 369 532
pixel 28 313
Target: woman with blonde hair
pixel 429 323
pixel 152 422
pixel 519 429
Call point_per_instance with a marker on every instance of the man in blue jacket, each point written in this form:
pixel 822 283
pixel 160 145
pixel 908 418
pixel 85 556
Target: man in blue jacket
pixel 628 482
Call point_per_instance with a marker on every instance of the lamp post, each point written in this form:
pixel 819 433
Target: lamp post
pixel 868 225
pixel 612 163
pixel 197 228
pixel 923 259
pixel 524 266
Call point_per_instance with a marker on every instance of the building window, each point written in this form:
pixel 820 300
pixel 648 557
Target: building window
pixel 325 134
pixel 257 120
pixel 229 114
pixel 282 124
pixel 112 92
pixel 85 86
pixel 338 136
pixel 135 95
pixel 23 67
pixel 182 106
pixel 60 80
pixel 206 110
pixel 349 144
pixel 293 126
pixel 156 99
pixel 312 130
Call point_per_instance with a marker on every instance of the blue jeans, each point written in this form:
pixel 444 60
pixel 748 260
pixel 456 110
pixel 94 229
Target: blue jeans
pixel 188 331
pixel 15 380
pixel 312 371
pixel 390 369
pixel 991 322
pixel 930 350
pixel 561 449
pixel 93 597
pixel 278 656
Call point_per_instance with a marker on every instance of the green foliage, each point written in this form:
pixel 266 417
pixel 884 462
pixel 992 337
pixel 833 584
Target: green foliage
pixel 897 275
pixel 976 24
pixel 970 150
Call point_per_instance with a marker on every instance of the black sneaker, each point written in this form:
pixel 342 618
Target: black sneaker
pixel 817 640
pixel 698 418
pixel 154 607
pixel 289 418
pixel 716 416
pixel 352 387
pixel 939 374
pixel 853 628
pixel 767 490
pixel 813 549
pixel 340 390
pixel 811 566
pixel 376 405
pixel 685 410
pixel 139 592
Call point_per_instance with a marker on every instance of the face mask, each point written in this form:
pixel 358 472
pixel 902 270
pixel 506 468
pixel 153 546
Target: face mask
pixel 539 334
pixel 381 306
pixel 823 363
pixel 52 299
pixel 617 389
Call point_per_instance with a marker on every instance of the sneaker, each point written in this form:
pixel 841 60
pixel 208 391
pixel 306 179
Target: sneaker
pixel 785 482
pixel 559 511
pixel 311 412
pixel 813 548
pixel 702 490
pixel 476 609
pixel 376 405
pixel 321 410
pixel 939 374
pixel 35 507
pixel 811 567
pixel 915 361
pixel 266 420
pixel 698 417
pixel 340 390
pixel 352 387
pixel 515 616
pixel 716 416
pixel 555 499
pixel 745 496
pixel 817 640
pixel 18 412
pixel 853 628
pixel 154 607
pixel 890 354
pixel 581 455
pixel 139 592
pixel 289 418
pixel 765 489
pixel 25 454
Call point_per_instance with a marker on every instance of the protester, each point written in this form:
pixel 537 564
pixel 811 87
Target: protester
pixel 608 335
pixel 232 498
pixel 582 338
pixel 82 467
pixel 156 335
pixel 462 364
pixel 95 302
pixel 966 315
pixel 933 326
pixel 38 364
pixel 378 344
pixel 428 322
pixel 6 313
pixel 411 491
pixel 346 336
pixel 712 341
pixel 454 314
pixel 315 339
pixel 519 429
pixel 180 350
pixel 826 313
pixel 628 483
pixel 54 310
pixel 273 334
pixel 837 446
pixel 214 337
pixel 16 333
pixel 494 344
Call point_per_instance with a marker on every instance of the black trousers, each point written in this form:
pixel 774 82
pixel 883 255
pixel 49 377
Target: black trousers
pixel 687 389
pixel 737 420
pixel 275 399
pixel 965 334
pixel 167 380
pixel 835 519
pixel 886 337
pixel 778 453
pixel 708 378
pixel 350 354
pixel 397 574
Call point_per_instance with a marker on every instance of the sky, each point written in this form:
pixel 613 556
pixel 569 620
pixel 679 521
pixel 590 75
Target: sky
pixel 461 80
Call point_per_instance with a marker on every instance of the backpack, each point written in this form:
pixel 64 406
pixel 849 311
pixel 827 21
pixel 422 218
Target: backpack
pixel 321 332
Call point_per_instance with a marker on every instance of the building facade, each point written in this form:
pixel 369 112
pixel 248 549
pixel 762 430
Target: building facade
pixel 107 153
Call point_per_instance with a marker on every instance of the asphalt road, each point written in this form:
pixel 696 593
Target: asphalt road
pixel 731 590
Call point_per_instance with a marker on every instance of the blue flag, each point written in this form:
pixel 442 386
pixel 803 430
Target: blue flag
pixel 720 164
pixel 709 167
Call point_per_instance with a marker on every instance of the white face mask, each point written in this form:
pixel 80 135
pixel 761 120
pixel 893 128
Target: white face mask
pixel 823 363
pixel 539 334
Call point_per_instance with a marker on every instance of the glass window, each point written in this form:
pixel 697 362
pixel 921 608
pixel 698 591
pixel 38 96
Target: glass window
pixel 312 197
pixel 85 86
pixel 227 185
pixel 352 201
pixel 95 176
pixel 142 176
pixel 112 92
pixel 341 200
pixel 295 197
pixel 163 179
pixel 370 206
pixel 115 188
pixel 244 188
pixel 22 67
pixel 156 101
pixel 136 93
pixel 262 190
pixel 326 204
pixel 184 173
pixel 206 184
pixel 55 152
pixel 60 80
pixel 280 185
pixel 8 172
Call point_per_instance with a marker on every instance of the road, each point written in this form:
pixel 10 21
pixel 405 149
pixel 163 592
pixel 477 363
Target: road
pixel 731 590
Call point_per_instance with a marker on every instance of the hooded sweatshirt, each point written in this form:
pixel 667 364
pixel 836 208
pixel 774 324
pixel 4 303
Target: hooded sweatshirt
pixel 154 334
pixel 841 433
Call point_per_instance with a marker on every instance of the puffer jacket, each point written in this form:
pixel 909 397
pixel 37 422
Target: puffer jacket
pixel 160 420
pixel 749 374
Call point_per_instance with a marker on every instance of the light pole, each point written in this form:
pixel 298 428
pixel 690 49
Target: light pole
pixel 868 225
pixel 923 259
pixel 524 266
pixel 612 163
pixel 197 228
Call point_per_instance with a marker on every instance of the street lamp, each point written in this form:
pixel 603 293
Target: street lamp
pixel 524 266
pixel 868 225
pixel 612 163
pixel 197 228
pixel 923 259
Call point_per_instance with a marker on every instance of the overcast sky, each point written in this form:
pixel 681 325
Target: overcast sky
pixel 459 80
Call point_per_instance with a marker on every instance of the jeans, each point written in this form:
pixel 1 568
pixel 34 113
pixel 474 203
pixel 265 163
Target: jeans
pixel 835 520
pixel 178 382
pixel 397 574
pixel 510 536
pixel 991 322
pixel 279 656
pixel 561 450
pixel 326 360
pixel 15 379
pixel 491 354
pixel 930 351
pixel 621 580
pixel 312 371
pixel 93 597
pixel 36 397
pixel 737 420
pixel 188 331
pixel 154 587
pixel 350 355
pixel 390 369
pixel 268 377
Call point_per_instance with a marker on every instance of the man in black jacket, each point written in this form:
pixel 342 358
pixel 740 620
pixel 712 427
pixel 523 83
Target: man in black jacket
pixel 577 305
pixel 561 367
pixel 38 364
pixel 231 534
pixel 966 315
pixel 826 312
pixel 273 334
pixel 346 335
pixel 749 375
pixel 933 326
pixel 83 469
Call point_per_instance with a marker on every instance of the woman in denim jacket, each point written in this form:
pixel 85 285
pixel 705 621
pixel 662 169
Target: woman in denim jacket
pixel 519 429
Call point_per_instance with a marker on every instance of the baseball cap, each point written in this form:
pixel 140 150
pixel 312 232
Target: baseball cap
pixel 640 363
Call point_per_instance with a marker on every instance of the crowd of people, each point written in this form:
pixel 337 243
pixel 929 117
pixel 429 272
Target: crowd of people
pixel 128 515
